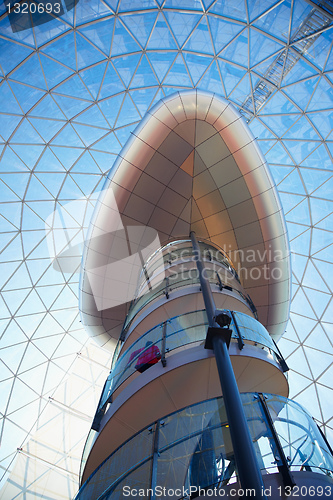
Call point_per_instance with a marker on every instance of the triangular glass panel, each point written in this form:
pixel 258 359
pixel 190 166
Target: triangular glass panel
pixel 86 11
pixel 86 183
pixel 73 87
pixel 126 67
pixel 110 108
pixel 70 190
pixel 274 22
pixel 17 182
pixel 280 172
pixel 300 213
pixel 236 10
pixel 312 279
pixel 12 356
pixel 31 154
pixel 12 54
pixel 123 42
pixel 37 191
pixel 30 73
pixel 298 361
pixel 256 8
pixel 10 162
pixel 318 157
pixel 287 347
pixel 7 269
pixel 89 134
pixel 26 134
pixel 86 53
pixel 47 108
pixel 261 47
pixel 143 98
pixel 111 84
pixel 141 25
pixel 324 191
pixel 7 194
pixel 52 28
pixel 8 103
pixel 259 130
pixel 48 162
pixel 297 383
pixel 237 51
pixel 317 53
pixel 323 96
pixel 200 39
pixel 197 65
pixel 292 184
pixel 53 181
pixel 66 155
pixel 300 149
pixel 161 62
pixel 71 107
pixel 32 357
pixel 300 11
pixel 290 201
pixel 302 129
pixel 128 113
pixel 21 395
pixel 212 80
pixel 278 104
pixel 100 37
pixel 46 128
pixel 8 123
pixel 123 133
pixel 278 155
pixel 182 24
pixel 326 223
pixel 161 37
pixel 54 72
pixel 279 124
pixel 222 31
pixel 126 5
pixel 242 91
pixel 318 361
pixel 300 71
pixel 49 344
pixel 320 209
pixel 144 75
pixel 325 399
pixel 326 270
pixel 302 92
pixel 329 63
pixel 68 136
pixel 63 50
pixel 94 116
pixel 93 78
pixel 178 74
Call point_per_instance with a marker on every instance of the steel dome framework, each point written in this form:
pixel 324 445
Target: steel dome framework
pixel 71 92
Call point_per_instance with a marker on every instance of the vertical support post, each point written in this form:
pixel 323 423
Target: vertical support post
pixel 154 461
pixel 239 336
pixel 247 465
pixel 164 333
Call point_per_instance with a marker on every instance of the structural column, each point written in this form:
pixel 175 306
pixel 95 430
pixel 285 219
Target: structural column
pixel 247 465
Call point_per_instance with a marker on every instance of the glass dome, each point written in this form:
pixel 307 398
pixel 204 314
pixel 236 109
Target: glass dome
pixel 71 91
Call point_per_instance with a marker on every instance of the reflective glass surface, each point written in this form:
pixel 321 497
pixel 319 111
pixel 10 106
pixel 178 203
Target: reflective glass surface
pixel 71 92
pixel 193 448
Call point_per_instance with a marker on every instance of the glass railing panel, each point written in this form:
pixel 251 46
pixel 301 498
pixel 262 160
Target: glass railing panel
pixel 126 458
pixel 251 329
pixel 300 438
pixel 133 484
pixel 193 447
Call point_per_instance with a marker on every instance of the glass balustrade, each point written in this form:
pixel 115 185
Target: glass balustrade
pixel 178 332
pixel 192 447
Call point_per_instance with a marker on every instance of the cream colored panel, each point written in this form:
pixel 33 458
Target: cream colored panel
pixel 190 104
pixel 204 103
pixel 248 235
pixel 176 107
pixel 139 209
pixel 267 204
pixel 175 148
pixel 162 220
pixel 210 204
pixel 200 228
pixel 186 130
pixel 161 168
pixel 146 133
pixel 228 115
pixel 199 165
pixel 164 115
pixel 235 192
pixel 258 181
pixel 149 188
pixel 186 213
pixel 203 184
pixel 242 213
pixel 139 154
pixel 203 131
pixel 213 150
pixel 218 223
pixel 217 107
pixel 181 182
pixel 172 202
pixel 127 176
pixel 272 226
pixel 181 229
pixel 225 171
pixel 195 212
pixel 235 135
pixel 248 158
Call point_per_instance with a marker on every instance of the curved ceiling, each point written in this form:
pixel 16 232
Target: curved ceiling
pixel 71 92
